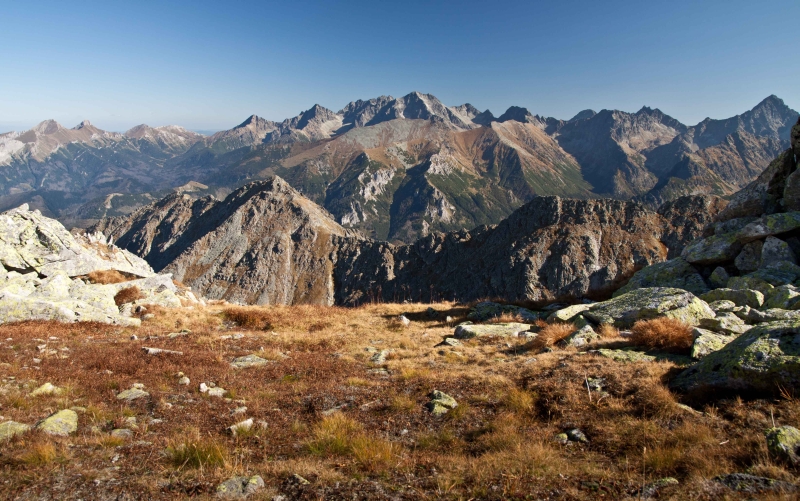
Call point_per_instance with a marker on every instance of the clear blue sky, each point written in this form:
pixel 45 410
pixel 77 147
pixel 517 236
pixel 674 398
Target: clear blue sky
pixel 209 65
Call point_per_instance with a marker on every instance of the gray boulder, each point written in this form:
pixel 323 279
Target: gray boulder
pixel 749 259
pixel 740 297
pixel 775 251
pixel 762 358
pixel 783 444
pixel 240 487
pixel 675 273
pixel 707 342
pixel 713 250
pixel 623 311
pixel 469 331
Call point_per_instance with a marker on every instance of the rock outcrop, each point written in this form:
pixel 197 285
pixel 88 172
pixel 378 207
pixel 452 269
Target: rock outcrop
pixel 43 270
pixel 267 244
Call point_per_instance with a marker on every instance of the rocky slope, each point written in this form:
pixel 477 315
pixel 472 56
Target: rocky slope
pixel 268 244
pixel 398 169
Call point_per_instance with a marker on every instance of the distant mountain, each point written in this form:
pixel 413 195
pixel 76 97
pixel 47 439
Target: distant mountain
pixel 397 168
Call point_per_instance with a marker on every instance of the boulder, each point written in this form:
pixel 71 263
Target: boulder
pixel 568 313
pixel 248 361
pixel 775 251
pixel 783 444
pixel 675 273
pixel 725 323
pixel 62 423
pixel 713 250
pixel 791 192
pixel 722 306
pixel 749 282
pixel 761 359
pixel 769 225
pixel 582 337
pixel 469 331
pixel 441 403
pixel 719 277
pixel 240 487
pixel 706 342
pixel 132 394
pixel 740 297
pixel 749 259
pixel 761 196
pixel 751 484
pixel 778 273
pixel 784 297
pixel 623 311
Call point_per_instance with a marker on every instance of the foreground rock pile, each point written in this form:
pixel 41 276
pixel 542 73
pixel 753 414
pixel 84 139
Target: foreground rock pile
pixel 44 270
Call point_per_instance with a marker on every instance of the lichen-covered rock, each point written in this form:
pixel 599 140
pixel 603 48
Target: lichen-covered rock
pixel 248 361
pixel 725 323
pixel 744 482
pixel 240 487
pixel 719 277
pixel 46 389
pixel 769 225
pixel 761 359
pixel 487 310
pixel 630 355
pixel 441 403
pixel 675 273
pixel 582 337
pixel 749 282
pixel 779 273
pixel 740 297
pixel 9 429
pixel 774 251
pixel 722 306
pixel 62 423
pixel 568 313
pixel 652 489
pixel 469 331
pixel 783 444
pixel 749 259
pixel 706 342
pixel 760 196
pixel 713 250
pixel 132 394
pixel 31 242
pixel 623 311
pixel 784 297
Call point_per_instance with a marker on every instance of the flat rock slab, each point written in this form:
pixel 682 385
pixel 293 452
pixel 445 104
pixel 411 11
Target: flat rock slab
pixel 707 342
pixel 469 331
pixel 132 394
pixel 632 355
pixel 623 311
pixel 61 424
pixel 160 351
pixel 740 297
pixel 9 429
pixel 248 361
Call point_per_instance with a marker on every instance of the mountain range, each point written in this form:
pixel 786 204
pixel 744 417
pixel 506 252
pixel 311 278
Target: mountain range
pixel 396 169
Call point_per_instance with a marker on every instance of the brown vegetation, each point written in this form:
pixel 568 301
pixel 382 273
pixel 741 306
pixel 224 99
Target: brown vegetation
pixel 104 277
pixel 351 431
pixel 128 295
pixel 662 333
pixel 551 334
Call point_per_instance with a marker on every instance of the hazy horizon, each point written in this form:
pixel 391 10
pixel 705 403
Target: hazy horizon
pixel 208 67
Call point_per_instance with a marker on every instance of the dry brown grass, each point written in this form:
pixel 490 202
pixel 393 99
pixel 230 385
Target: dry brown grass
pixel 608 331
pixel 662 333
pixel 551 334
pixel 128 295
pixel 507 318
pixel 104 277
pixel 249 317
pixel 497 444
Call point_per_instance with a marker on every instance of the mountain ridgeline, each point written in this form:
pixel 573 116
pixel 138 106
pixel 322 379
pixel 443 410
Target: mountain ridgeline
pixel 397 169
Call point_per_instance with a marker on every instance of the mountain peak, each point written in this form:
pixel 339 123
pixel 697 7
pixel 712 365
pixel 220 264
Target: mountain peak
pixel 47 127
pixel 583 115
pixel 82 125
pixel 252 120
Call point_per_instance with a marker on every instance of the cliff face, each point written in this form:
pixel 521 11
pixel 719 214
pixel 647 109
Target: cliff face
pixel 267 244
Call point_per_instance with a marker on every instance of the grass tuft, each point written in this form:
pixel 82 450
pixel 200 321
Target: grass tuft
pixel 197 453
pixel 662 333
pixel 128 295
pixel 249 317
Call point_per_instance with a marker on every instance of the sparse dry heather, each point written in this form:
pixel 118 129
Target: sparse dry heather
pixel 323 411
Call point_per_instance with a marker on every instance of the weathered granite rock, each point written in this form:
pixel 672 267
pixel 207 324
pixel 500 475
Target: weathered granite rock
pixel 652 489
pixel 706 342
pixel 625 310
pixel 775 251
pixel 132 394
pixel 725 323
pixel 240 487
pixel 744 482
pixel 62 423
pixel 749 282
pixel 568 314
pixel 582 337
pixel 783 444
pixel 675 273
pixel 779 273
pixel 248 361
pixel 719 277
pixel 441 403
pixel 749 259
pixel 762 358
pixel 32 242
pixel 46 389
pixel 9 429
pixel 762 196
pixel 740 297
pixel 713 250
pixel 631 355
pixel 469 331
pixel 769 225
pixel 722 306
pixel 784 297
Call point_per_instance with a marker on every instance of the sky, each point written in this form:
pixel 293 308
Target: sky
pixel 208 65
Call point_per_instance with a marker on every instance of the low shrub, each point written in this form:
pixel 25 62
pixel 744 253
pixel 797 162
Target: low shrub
pixel 249 317
pixel 551 334
pixel 662 333
pixel 105 277
pixel 128 295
